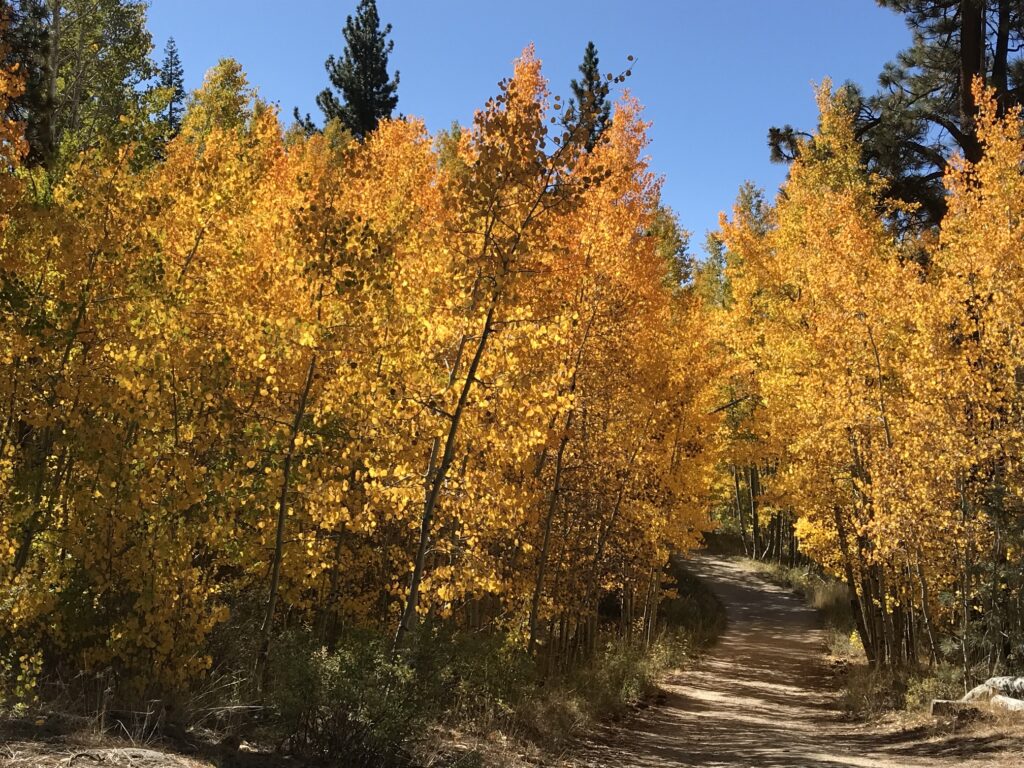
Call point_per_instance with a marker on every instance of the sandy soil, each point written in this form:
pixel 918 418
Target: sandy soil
pixel 765 698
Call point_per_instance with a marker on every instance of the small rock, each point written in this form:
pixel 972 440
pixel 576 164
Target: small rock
pixel 1012 687
pixel 1007 703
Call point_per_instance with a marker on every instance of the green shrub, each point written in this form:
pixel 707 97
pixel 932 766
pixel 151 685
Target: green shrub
pixel 942 682
pixel 618 676
pixel 870 692
pixel 550 717
pixel 479 677
pixel 352 701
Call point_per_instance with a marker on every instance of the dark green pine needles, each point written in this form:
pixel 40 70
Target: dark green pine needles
pixel 361 93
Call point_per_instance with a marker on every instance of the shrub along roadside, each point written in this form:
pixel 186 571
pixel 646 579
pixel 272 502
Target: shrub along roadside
pixel 356 700
pixel 871 693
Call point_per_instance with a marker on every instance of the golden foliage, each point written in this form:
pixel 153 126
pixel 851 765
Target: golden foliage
pixel 294 371
pixel 888 385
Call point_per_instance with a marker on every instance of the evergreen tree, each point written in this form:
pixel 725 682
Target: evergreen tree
pixel 711 278
pixel 361 77
pixel 86 65
pixel 924 111
pixel 172 79
pixel 673 243
pixel 589 106
pixel 27 37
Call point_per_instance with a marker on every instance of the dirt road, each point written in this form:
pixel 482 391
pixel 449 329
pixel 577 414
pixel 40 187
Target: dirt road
pixel 764 698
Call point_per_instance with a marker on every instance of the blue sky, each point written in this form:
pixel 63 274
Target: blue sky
pixel 712 75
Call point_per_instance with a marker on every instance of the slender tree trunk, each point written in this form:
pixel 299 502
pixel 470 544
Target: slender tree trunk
pixel 282 516
pixel 933 646
pixel 753 487
pixel 652 619
pixel 889 629
pixel 1000 57
pixel 650 608
pixel 625 606
pixel 965 613
pixel 965 590
pixel 542 556
pixel 51 72
pixel 436 481
pixel 739 509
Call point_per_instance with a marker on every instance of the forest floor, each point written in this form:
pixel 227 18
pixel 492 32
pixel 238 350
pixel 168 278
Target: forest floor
pixel 766 697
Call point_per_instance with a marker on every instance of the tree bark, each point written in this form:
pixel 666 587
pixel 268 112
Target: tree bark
pixel 754 489
pixel 739 509
pixel 51 67
pixel 972 53
pixel 933 646
pixel 1001 54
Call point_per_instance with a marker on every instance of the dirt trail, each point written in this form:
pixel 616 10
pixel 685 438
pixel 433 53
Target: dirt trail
pixel 764 698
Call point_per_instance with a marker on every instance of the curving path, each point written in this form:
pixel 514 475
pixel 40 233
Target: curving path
pixel 763 698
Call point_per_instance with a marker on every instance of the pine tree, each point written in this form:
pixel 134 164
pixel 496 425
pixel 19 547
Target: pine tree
pixel 172 78
pixel 27 39
pixel 361 75
pixel 86 67
pixel 924 111
pixel 590 107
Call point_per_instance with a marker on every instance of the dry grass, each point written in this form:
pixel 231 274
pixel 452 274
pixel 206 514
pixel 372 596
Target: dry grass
pixel 994 735
pixel 49 755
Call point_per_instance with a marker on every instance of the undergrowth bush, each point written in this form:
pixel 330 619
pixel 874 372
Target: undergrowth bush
pixel 619 675
pixel 353 700
pixel 945 681
pixel 872 692
pixel 869 692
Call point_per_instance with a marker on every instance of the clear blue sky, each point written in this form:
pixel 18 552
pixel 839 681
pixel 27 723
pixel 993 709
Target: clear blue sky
pixel 713 75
